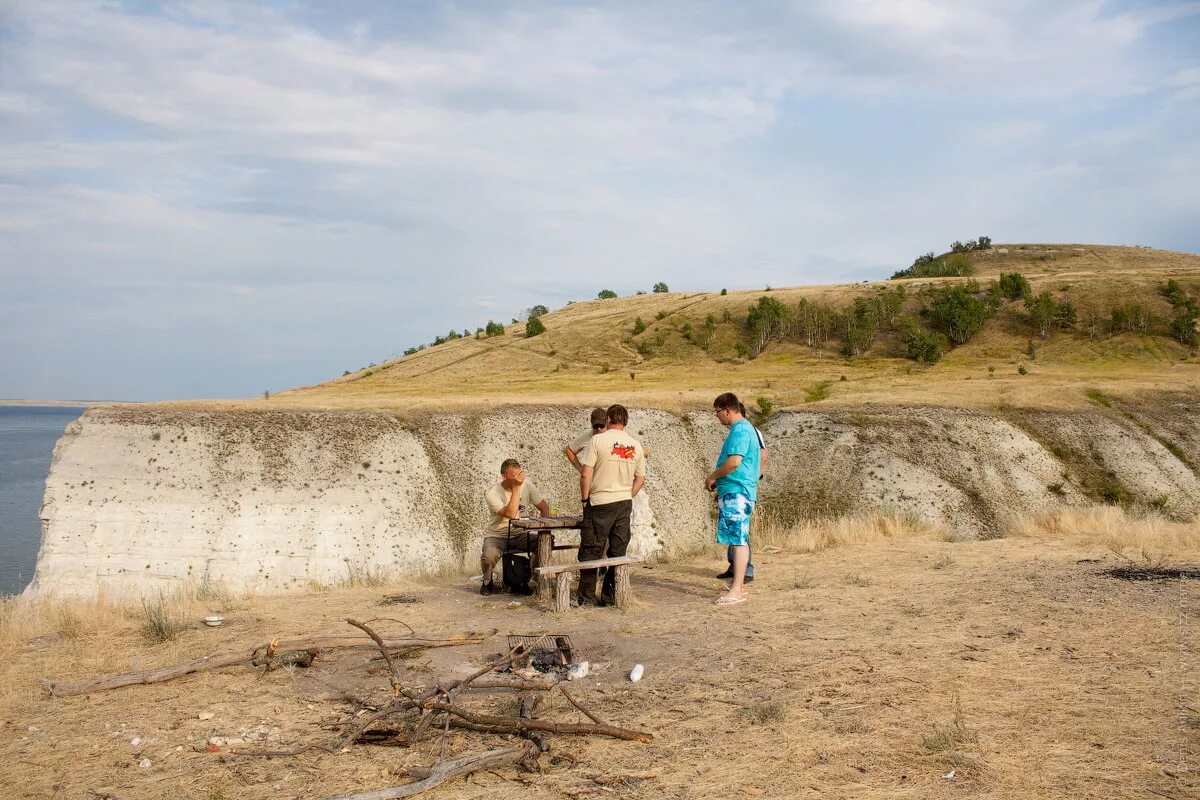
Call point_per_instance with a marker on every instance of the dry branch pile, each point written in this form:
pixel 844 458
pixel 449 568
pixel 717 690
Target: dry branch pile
pixel 415 713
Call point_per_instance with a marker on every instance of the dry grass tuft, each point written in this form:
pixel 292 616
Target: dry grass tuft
pixel 160 622
pixel 1142 537
pixel 953 740
pixel 23 620
pixel 809 536
pixel 764 712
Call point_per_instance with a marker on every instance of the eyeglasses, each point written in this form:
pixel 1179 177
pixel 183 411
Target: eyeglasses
pixel 596 427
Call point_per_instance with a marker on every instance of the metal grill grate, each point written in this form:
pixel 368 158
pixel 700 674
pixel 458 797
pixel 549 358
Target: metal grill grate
pixel 544 652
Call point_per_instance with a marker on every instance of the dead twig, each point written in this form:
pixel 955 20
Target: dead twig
pixel 231 659
pixel 562 687
pixel 443 771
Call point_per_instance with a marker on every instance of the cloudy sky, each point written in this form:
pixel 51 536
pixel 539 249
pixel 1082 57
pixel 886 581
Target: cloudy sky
pixel 206 199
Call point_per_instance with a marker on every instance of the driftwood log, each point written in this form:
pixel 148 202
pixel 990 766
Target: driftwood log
pixel 273 649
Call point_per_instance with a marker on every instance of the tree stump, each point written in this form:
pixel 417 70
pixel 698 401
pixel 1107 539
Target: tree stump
pixel 623 591
pixel 562 592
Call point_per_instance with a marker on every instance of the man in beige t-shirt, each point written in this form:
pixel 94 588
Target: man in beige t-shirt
pixel 614 470
pixel 574 451
pixel 513 496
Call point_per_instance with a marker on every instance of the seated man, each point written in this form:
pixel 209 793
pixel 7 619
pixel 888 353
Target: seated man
pixel 508 499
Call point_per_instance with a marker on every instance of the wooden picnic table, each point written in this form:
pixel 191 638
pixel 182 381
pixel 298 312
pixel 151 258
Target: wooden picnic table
pixel 545 528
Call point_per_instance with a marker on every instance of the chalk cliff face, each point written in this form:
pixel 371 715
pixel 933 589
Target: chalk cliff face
pixel 140 499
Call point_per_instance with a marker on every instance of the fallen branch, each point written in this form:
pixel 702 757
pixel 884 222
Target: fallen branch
pixel 518 725
pixel 221 660
pixel 441 772
pixel 562 687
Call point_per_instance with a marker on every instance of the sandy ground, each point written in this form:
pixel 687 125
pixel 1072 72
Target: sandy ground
pixel 913 668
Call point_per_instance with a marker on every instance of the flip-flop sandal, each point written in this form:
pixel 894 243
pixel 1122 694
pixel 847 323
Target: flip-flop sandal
pixel 730 600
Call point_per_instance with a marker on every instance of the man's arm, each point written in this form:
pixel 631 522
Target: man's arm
pixel 762 462
pixel 638 482
pixel 727 466
pixel 497 505
pixel 543 508
pixel 574 459
pixel 585 482
pixel 513 509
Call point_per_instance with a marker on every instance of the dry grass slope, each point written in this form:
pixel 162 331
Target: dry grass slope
pixel 590 349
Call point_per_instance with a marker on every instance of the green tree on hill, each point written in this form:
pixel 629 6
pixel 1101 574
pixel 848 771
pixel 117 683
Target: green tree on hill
pixel 493 329
pixel 660 288
pixel 958 311
pixel 765 321
pixel 1013 286
pixel 639 326
pixel 536 311
pixel 534 327
pixel 1042 310
pixel 606 294
pixel 924 346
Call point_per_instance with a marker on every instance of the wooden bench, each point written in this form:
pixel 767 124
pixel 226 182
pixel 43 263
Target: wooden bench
pixel 562 573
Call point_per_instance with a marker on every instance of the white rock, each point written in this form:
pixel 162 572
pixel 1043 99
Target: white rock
pixel 144 763
pixel 205 715
pixel 950 775
pixel 135 741
pixel 635 674
pixel 578 670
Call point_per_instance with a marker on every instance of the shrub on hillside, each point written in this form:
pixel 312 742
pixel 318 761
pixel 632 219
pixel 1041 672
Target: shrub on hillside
pixel 1013 286
pixel 534 327
pixel 1187 313
pixel 536 312
pixel 639 326
pixel 1183 327
pixel 958 311
pixel 950 265
pixel 924 346
pixel 1041 312
pixel 1129 318
pixel 493 329
pixel 660 288
pixel 606 294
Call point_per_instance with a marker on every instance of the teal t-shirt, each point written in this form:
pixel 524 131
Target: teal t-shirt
pixel 741 441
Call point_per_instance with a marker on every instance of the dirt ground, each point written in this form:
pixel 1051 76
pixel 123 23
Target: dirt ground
pixel 909 668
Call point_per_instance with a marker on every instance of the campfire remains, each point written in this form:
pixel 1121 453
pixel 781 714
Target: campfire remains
pixel 532 667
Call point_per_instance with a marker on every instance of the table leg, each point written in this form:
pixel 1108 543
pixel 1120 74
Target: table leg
pixel 545 545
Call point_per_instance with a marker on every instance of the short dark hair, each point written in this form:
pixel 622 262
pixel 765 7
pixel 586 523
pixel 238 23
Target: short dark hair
pixel 508 462
pixel 618 415
pixel 742 409
pixel 726 401
pixel 599 417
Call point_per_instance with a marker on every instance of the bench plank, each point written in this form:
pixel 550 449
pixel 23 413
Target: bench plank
pixel 575 566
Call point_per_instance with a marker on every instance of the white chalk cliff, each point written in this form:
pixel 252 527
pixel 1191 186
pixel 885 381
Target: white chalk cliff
pixel 141 499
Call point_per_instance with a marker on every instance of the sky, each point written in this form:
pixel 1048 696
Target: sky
pixel 205 199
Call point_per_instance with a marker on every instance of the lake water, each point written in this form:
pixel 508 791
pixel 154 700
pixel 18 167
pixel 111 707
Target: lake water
pixel 27 437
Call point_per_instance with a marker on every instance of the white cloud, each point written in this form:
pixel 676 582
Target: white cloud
pixel 233 148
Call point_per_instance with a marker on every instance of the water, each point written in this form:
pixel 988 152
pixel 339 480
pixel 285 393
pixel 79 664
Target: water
pixel 27 437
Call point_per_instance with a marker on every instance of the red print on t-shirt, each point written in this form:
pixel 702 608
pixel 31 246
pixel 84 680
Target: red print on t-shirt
pixel 623 451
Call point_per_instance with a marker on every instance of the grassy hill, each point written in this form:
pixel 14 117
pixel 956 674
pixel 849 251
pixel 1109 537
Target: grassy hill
pixel 695 345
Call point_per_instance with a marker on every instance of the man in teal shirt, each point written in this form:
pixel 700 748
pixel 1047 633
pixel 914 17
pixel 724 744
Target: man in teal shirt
pixel 735 481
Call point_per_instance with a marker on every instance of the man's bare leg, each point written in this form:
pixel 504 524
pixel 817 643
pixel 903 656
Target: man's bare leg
pixel 741 556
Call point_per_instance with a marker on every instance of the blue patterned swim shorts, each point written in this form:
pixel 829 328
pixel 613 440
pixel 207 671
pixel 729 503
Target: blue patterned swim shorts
pixel 733 519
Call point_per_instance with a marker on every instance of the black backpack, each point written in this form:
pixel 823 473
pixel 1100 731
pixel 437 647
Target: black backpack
pixel 517 573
